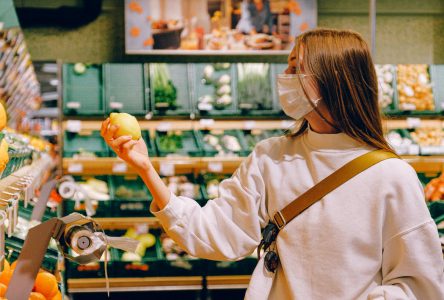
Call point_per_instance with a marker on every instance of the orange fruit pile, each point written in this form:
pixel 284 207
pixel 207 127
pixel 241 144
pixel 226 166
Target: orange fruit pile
pixel 45 286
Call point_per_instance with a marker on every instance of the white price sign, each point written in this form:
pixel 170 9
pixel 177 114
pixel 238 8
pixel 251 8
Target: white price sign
pixel 73 105
pixel 248 125
pixel 166 169
pixel 116 105
pixel 164 126
pixel 215 167
pixel 413 122
pixel 205 123
pixel 120 167
pixel 74 126
pixel 75 168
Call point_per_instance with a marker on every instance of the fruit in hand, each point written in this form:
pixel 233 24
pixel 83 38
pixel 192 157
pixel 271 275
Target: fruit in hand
pixel 128 125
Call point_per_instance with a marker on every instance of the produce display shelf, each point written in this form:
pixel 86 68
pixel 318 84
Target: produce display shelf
pixel 136 284
pixel 107 165
pixel 227 282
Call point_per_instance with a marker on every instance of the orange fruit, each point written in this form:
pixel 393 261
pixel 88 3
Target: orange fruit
pixel 58 296
pixel 3 290
pixel 36 296
pixel 6 266
pixel 14 264
pixel 5 277
pixel 46 284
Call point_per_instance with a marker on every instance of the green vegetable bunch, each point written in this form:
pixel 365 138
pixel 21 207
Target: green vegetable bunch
pixel 254 87
pixel 170 142
pixel 165 93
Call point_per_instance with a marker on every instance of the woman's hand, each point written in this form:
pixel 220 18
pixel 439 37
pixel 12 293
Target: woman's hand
pixel 133 152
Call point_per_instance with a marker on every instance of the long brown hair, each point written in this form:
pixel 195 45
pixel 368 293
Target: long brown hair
pixel 342 65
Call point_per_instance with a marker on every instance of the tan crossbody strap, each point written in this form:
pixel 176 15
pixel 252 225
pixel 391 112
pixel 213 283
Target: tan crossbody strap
pixel 329 184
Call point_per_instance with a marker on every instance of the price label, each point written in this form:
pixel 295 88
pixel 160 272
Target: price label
pixel 248 125
pixel 205 123
pixel 215 167
pixel 413 150
pixel 413 122
pixel 166 169
pixel 141 228
pixel 75 168
pixel 149 116
pixel 286 124
pixel 164 126
pixel 73 105
pixel 116 105
pixel 73 126
pixel 120 168
pixel 408 106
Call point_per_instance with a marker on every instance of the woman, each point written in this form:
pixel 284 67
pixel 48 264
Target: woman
pixel 371 238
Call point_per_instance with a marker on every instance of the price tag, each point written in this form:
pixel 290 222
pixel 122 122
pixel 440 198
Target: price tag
pixel 164 126
pixel 413 150
pixel 116 105
pixel 149 116
pixel 120 168
pixel 413 122
pixel 166 169
pixel 215 167
pixel 73 105
pixel 408 106
pixel 248 125
pixel 141 228
pixel 205 123
pixel 75 168
pixel 286 124
pixel 73 126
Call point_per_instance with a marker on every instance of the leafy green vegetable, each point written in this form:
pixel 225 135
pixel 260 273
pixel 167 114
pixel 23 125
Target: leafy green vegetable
pixel 170 142
pixel 165 93
pixel 254 87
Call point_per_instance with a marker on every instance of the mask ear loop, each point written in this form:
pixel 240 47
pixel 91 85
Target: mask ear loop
pixel 315 108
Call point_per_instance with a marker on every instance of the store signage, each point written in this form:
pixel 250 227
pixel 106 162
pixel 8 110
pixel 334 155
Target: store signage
pixel 216 27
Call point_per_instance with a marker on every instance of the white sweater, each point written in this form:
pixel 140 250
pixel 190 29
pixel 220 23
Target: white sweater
pixel 371 238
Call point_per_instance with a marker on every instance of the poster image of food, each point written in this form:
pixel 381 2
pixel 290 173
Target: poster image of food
pixel 209 26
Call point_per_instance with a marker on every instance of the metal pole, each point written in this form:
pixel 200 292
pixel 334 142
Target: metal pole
pixel 372 18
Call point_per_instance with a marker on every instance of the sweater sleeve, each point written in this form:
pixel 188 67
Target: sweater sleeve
pixel 412 259
pixel 226 228
pixel 412 266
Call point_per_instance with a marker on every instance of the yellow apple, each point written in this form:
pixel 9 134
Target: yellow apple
pixel 128 125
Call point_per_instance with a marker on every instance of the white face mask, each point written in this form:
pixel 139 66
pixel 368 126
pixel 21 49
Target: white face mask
pixel 294 101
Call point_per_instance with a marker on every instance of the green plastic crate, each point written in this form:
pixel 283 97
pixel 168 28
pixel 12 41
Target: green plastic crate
pixel 103 208
pixel 151 264
pixel 192 179
pixel 82 93
pixel 437 77
pixel 93 142
pixel 125 88
pixel 210 86
pixel 211 151
pixel 180 76
pixel 248 102
pixel 205 178
pixel 436 209
pixel 185 144
pixel 137 200
pixel 254 136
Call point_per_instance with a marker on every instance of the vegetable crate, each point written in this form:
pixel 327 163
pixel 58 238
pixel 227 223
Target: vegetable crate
pixel 254 136
pixel 255 90
pixel 102 207
pixel 130 195
pixel 387 96
pixel 125 89
pixel 404 149
pixel 436 209
pixel 91 270
pixel 82 91
pixel 150 265
pixel 414 91
pixel 170 91
pixel 179 183
pixel 91 142
pixel 210 184
pixel 219 142
pixel 177 143
pixel 215 89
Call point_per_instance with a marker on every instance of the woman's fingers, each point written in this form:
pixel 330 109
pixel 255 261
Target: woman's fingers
pixel 110 133
pixel 117 143
pixel 127 146
pixel 104 127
